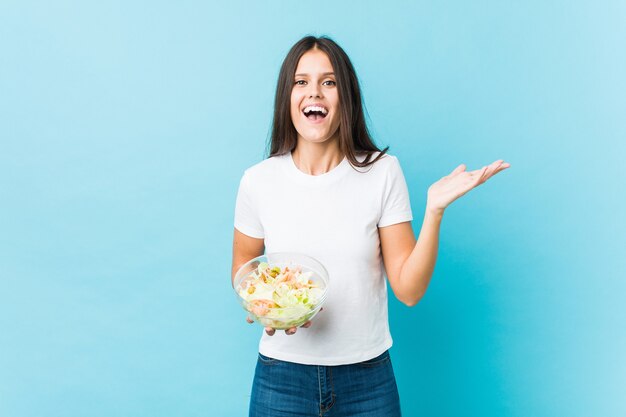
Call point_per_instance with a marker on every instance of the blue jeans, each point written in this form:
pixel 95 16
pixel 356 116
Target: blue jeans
pixel 364 389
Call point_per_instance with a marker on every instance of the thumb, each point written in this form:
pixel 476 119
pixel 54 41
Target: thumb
pixel 458 169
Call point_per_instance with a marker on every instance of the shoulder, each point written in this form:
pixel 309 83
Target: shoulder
pixel 385 164
pixel 269 167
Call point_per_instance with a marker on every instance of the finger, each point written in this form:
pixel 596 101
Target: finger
pixel 504 166
pixel 501 166
pixel 270 331
pixel 491 169
pixel 290 331
pixel 488 171
pixel 497 169
pixel 307 324
pixel 480 177
pixel 478 172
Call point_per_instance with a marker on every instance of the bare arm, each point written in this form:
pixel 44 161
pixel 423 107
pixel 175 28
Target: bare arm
pixel 244 249
pixel 410 264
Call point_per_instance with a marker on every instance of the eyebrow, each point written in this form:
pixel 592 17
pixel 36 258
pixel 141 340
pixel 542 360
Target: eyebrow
pixel 306 75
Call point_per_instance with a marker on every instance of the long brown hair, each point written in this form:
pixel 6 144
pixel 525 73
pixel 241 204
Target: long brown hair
pixel 354 136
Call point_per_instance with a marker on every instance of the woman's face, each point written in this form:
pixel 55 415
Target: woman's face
pixel 314 98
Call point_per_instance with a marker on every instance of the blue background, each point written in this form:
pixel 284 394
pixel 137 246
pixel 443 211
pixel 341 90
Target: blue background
pixel 125 128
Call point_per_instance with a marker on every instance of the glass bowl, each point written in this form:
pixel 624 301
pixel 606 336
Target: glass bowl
pixel 284 299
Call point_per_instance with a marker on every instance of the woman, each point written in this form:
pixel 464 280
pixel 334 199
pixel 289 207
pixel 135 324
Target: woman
pixel 327 191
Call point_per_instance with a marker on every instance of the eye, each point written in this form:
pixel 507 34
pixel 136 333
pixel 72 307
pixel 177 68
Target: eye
pixel 330 81
pixel 299 81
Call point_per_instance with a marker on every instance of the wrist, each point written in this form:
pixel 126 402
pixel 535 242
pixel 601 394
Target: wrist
pixel 435 212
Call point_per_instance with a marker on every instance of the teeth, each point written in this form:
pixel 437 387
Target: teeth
pixel 315 108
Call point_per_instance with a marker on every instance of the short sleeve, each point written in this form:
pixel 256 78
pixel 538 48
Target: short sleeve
pixel 247 219
pixel 396 205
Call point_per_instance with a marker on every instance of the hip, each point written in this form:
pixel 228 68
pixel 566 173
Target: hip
pixel 366 388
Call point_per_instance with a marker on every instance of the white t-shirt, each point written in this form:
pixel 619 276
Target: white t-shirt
pixel 334 218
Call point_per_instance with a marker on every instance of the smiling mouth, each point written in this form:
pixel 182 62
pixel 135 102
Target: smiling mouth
pixel 315 113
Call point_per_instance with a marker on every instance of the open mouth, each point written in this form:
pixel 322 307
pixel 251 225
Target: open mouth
pixel 315 113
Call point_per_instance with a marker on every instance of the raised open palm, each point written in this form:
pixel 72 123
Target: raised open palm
pixel 459 182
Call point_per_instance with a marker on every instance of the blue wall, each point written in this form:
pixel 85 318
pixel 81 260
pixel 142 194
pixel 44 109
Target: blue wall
pixel 125 127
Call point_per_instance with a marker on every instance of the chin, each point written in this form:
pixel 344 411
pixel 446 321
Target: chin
pixel 316 139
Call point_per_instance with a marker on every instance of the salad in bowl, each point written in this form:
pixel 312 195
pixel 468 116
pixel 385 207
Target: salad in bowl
pixel 281 290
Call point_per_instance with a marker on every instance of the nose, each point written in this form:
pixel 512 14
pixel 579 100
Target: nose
pixel 315 91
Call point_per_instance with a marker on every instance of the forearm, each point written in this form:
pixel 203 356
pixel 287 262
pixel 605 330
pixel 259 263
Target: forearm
pixel 419 266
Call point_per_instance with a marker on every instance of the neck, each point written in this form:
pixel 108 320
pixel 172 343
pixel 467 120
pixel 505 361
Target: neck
pixel 317 158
